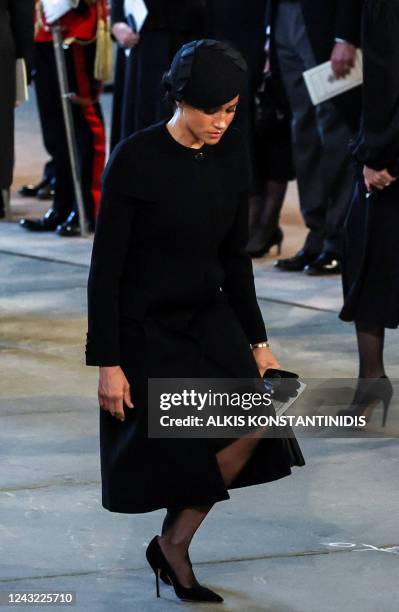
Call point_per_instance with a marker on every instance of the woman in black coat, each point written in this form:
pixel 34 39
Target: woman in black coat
pixel 371 263
pixel 171 295
pixel 16 41
pixel 138 100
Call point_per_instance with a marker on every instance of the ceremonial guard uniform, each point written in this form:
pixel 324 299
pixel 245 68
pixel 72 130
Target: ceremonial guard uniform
pixel 80 33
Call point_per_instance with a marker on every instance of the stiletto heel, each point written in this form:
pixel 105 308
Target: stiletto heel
pixel 157 575
pixel 158 562
pixel 385 413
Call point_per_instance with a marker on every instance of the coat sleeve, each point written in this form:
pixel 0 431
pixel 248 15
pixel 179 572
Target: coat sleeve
pixel 111 242
pixel 377 145
pixel 22 25
pixel 237 264
pixel 239 281
pixel 117 13
pixel 348 20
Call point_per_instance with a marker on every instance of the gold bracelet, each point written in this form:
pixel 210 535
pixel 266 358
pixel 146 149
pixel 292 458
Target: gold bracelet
pixel 260 345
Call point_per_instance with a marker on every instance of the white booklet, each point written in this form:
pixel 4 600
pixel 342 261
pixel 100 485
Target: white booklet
pixel 55 9
pixel 21 81
pixel 138 10
pixel 322 83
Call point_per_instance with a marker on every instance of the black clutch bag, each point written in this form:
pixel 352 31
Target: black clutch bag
pixel 283 386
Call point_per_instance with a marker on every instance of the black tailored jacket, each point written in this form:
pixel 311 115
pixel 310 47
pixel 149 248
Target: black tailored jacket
pixel 326 20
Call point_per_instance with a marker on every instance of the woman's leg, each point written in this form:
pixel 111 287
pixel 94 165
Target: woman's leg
pixel 177 538
pixel 265 214
pixel 180 525
pixel 370 342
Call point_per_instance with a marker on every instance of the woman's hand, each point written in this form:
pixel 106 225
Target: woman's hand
pixel 113 390
pixel 377 179
pixel 125 35
pixel 265 359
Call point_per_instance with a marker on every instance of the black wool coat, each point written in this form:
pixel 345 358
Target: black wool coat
pixel 371 261
pixel 326 20
pixel 16 40
pixel 171 295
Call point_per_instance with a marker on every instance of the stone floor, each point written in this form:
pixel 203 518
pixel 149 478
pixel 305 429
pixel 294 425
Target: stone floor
pixel 324 539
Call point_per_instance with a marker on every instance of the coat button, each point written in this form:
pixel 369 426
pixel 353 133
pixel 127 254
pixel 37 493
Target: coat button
pixel 200 156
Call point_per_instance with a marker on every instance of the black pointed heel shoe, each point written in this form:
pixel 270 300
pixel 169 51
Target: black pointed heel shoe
pixel 380 391
pixel 275 239
pixel 159 562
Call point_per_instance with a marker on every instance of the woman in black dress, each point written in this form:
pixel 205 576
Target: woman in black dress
pixel 171 295
pixel 371 263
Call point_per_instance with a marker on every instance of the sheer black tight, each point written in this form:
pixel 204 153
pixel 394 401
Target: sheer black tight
pixel 264 213
pixel 181 524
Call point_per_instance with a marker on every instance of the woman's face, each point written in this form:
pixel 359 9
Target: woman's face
pixel 208 125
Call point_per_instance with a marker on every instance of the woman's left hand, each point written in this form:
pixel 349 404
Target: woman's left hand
pixel 265 359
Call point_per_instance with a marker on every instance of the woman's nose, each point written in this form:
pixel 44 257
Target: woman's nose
pixel 220 124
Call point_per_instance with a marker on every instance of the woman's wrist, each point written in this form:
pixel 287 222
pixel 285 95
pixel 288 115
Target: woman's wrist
pixel 264 344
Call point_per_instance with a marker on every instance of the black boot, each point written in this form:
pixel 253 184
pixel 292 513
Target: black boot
pixel 47 223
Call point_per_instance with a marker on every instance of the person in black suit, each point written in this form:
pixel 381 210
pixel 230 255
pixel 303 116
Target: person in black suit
pixel 138 100
pixel 16 41
pixel 305 33
pixel 371 254
pixel 171 295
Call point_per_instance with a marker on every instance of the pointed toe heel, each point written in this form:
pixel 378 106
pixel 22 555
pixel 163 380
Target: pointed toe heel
pixel 159 563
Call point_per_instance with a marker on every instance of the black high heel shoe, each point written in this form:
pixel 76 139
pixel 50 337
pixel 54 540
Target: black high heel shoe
pixel 159 562
pixel 275 239
pixel 380 390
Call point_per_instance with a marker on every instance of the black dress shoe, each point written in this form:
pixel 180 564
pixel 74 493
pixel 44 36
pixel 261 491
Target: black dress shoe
pixel 47 223
pixel 47 191
pixel 71 227
pixel 326 263
pixel 296 263
pixel 30 191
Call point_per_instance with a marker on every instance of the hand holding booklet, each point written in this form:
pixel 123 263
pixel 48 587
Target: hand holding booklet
pixel 323 85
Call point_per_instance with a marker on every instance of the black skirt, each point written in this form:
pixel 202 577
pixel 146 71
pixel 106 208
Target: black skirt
pixel 142 474
pixel 371 257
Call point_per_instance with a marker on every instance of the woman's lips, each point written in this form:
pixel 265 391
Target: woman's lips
pixel 215 134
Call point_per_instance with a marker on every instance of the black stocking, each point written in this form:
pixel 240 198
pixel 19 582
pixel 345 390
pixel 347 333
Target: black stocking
pixel 370 341
pixel 264 214
pixel 181 524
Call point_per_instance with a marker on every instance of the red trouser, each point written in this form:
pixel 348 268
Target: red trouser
pixel 87 118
